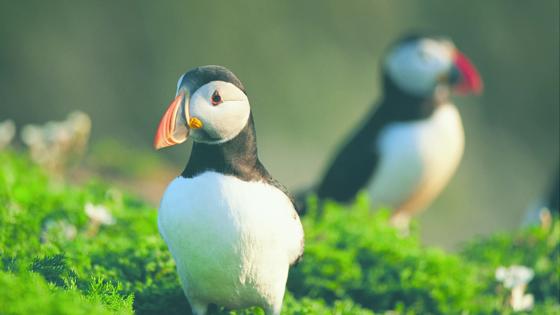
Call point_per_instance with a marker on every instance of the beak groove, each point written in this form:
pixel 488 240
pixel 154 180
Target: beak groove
pixel 172 128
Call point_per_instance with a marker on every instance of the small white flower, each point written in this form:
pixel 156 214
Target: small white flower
pixel 99 214
pixel 59 229
pixel 516 279
pixel 57 145
pixel 57 132
pixel 501 274
pixel 514 275
pixel 31 134
pixel 7 133
pixel 520 301
pixel 79 122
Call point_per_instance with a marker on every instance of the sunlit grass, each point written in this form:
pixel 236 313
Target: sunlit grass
pixel 58 257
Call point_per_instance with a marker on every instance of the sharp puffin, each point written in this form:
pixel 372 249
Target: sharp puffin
pixel 411 143
pixel 231 228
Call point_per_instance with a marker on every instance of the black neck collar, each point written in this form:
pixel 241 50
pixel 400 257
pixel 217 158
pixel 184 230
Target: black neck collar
pixel 403 106
pixel 237 157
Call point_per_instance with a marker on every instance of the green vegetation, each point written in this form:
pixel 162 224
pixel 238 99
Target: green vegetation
pixel 55 260
pixel 312 70
pixel 374 266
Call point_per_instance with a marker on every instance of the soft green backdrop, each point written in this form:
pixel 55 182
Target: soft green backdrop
pixel 311 69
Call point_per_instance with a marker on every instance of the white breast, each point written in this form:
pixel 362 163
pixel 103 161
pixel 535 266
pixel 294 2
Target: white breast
pixel 232 240
pixel 417 159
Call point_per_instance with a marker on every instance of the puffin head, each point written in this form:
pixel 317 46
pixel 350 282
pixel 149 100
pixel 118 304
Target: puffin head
pixel 423 66
pixel 210 106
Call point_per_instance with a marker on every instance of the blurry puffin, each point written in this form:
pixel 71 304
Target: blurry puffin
pixel 231 228
pixel 544 210
pixel 553 198
pixel 411 143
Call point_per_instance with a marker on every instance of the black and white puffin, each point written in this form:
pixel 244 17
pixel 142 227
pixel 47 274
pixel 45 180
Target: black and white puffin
pixel 547 208
pixel 411 143
pixel 231 228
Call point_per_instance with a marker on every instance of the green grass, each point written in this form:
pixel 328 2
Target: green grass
pixel 51 261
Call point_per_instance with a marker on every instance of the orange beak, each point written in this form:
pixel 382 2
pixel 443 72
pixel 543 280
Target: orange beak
pixel 172 127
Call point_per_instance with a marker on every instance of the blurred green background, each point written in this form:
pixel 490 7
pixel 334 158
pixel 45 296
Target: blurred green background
pixel 311 69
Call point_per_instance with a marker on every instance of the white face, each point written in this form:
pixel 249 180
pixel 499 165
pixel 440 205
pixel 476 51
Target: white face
pixel 223 110
pixel 419 67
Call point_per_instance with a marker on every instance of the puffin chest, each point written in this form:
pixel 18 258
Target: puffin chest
pixel 417 158
pixel 227 236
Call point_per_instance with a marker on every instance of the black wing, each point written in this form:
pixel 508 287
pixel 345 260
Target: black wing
pixel 350 171
pixel 355 163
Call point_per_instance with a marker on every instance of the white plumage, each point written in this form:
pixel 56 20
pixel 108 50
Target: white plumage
pixel 417 159
pixel 417 66
pixel 233 241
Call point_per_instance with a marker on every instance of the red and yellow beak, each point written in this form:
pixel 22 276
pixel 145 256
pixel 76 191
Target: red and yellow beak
pixel 172 127
pixel 176 123
pixel 470 80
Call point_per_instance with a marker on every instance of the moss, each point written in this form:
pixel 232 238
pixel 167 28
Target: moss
pixel 355 263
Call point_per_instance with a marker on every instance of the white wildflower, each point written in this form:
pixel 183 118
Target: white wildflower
pixel 57 230
pixel 99 214
pixel 80 122
pixel 57 132
pixel 516 279
pixel 520 301
pixel 7 132
pixel 31 135
pixel 514 276
pixel 56 145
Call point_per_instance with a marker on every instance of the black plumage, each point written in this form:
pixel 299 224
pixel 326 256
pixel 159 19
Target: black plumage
pixel 553 198
pixel 202 75
pixel 237 157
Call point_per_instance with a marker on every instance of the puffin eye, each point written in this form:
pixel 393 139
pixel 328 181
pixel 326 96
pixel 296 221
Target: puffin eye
pixel 216 98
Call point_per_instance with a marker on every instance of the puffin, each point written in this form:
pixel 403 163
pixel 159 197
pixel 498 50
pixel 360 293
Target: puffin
pixel 543 211
pixel 231 228
pixel 409 146
pixel 553 196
